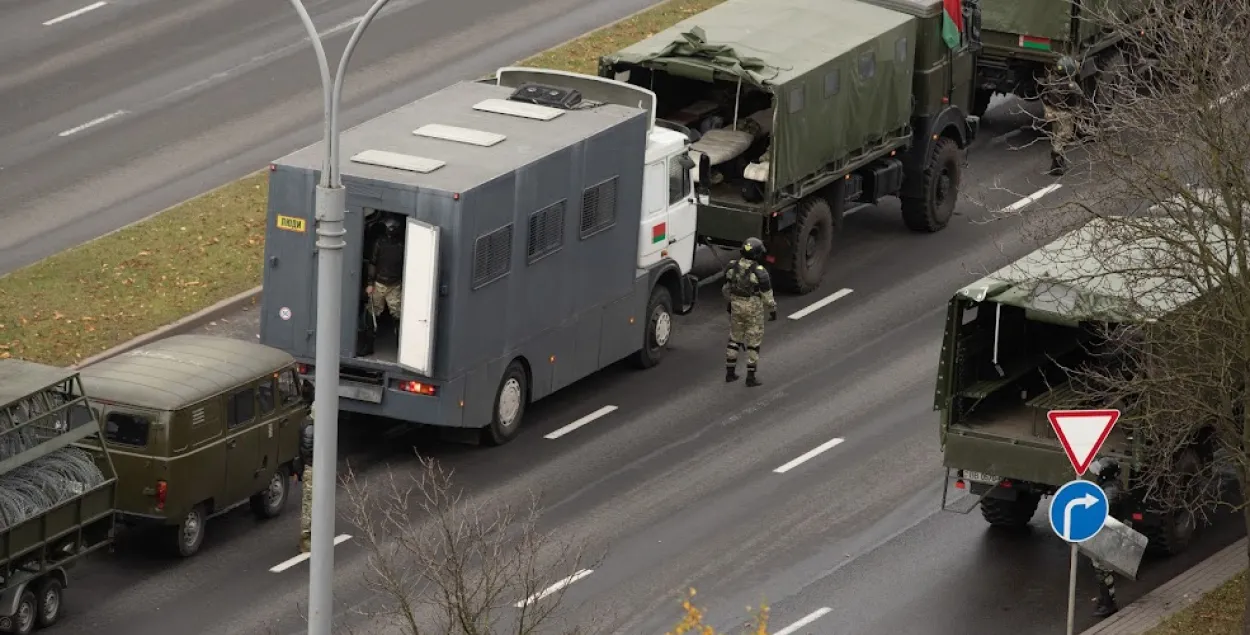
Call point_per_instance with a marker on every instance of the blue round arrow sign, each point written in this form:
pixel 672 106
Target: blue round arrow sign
pixel 1078 511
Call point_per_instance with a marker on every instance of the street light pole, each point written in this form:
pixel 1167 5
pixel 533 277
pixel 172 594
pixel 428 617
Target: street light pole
pixel 331 207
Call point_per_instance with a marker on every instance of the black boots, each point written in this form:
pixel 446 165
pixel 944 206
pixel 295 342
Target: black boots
pixel 751 380
pixel 1058 164
pixel 1106 603
pixel 731 374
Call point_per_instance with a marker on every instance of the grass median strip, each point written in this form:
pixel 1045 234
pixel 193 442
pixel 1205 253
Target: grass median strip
pixel 90 298
pixel 1216 613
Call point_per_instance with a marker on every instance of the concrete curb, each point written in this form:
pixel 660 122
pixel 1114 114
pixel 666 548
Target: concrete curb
pixel 1176 594
pixel 182 325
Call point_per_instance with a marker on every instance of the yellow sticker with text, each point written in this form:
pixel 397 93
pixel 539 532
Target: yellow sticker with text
pixel 291 224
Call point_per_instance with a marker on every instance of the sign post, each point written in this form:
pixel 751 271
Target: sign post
pixel 1080 508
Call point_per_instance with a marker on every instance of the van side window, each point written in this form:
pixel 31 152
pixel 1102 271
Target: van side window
pixel 242 408
pixel 264 396
pixel 679 183
pixel 124 428
pixel 289 387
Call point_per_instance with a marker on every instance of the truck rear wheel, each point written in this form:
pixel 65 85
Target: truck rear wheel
pixel 510 401
pixel 658 330
pixel 189 534
pixel 49 600
pixel 1170 532
pixel 24 617
pixel 1010 514
pixel 940 186
pixel 804 250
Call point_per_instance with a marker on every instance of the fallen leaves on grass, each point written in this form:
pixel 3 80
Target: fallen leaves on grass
pixel 1217 613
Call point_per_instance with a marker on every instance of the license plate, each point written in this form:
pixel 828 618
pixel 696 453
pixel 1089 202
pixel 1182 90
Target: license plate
pixel 371 394
pixel 981 477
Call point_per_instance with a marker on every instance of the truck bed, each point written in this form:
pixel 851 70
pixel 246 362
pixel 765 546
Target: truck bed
pixel 1029 424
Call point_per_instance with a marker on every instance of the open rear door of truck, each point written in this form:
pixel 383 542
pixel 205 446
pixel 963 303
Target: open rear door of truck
pixel 420 301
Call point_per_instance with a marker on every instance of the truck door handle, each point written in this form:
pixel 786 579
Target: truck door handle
pixel 231 443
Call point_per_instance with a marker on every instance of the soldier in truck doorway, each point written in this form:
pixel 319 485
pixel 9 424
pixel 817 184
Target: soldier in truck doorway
pixel 386 270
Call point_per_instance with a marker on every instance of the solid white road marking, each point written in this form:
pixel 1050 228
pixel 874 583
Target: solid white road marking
pixel 809 455
pixel 580 422
pixel 1032 198
pixel 553 588
pixel 812 617
pixel 94 122
pixel 279 568
pixel 820 304
pixel 75 13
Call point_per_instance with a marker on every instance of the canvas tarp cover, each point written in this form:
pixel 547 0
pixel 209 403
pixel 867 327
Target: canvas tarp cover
pixel 1094 273
pixel 809 54
pixel 1040 18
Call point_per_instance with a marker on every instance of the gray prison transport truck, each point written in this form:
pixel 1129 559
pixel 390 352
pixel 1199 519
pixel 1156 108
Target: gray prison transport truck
pixel 56 497
pixel 804 111
pixel 1009 341
pixel 546 234
pixel 1020 40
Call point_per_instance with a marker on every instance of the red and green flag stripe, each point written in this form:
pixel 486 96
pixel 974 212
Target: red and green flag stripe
pixel 952 22
pixel 658 232
pixel 1034 43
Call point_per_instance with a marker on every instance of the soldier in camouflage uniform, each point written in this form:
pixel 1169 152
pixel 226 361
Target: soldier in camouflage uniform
pixel 305 512
pixel 1060 98
pixel 386 270
pixel 749 292
pixel 1107 472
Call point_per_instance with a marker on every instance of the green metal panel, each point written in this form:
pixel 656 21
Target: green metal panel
pixel 729 224
pixel 1040 18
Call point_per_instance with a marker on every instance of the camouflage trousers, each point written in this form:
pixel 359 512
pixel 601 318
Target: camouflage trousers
pixel 386 296
pixel 1105 577
pixel 746 330
pixel 1062 128
pixel 305 511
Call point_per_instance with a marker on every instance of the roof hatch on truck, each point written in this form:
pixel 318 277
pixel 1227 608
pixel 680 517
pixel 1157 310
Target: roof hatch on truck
pixel 397 161
pixel 587 87
pixel 460 135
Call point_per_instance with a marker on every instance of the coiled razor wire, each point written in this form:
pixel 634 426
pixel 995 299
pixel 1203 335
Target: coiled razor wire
pixel 45 483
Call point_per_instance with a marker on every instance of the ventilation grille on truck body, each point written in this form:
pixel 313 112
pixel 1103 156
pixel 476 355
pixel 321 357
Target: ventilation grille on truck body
pixel 543 95
pixel 492 256
pixel 598 208
pixel 546 231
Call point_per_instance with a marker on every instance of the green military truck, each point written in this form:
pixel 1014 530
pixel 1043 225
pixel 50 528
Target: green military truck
pixel 56 497
pixel 1020 40
pixel 804 111
pixel 1010 341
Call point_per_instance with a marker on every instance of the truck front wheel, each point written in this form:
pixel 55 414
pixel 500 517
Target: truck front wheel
pixel 940 186
pixel 803 251
pixel 658 330
pixel 509 406
pixel 1010 514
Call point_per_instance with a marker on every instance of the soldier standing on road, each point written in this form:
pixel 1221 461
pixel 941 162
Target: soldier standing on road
pixel 386 270
pixel 306 457
pixel 1060 99
pixel 1107 472
pixel 749 292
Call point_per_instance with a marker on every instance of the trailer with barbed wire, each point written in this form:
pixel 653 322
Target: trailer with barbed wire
pixel 56 495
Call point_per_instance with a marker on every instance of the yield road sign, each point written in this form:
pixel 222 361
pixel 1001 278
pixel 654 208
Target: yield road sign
pixel 1078 511
pixel 1082 433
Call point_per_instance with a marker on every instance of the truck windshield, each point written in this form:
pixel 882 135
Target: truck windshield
pixel 127 428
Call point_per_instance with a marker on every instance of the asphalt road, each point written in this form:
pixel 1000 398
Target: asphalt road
pixel 695 483
pixel 111 114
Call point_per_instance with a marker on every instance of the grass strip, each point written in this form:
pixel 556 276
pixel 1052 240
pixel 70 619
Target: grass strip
pixel 1219 612
pixel 90 298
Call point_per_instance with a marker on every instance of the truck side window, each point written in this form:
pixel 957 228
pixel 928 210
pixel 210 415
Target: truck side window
pixel 124 428
pixel 796 99
pixel 264 396
pixel 900 50
pixel 678 181
pixel 654 188
pixel 867 65
pixel 598 208
pixel 289 387
pixel 546 231
pixel 242 408
pixel 833 83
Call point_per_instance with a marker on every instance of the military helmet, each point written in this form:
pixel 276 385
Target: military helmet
pixel 392 225
pixel 1067 66
pixel 754 249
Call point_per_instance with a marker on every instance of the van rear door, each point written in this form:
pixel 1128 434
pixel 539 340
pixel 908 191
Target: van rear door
pixel 136 442
pixel 416 330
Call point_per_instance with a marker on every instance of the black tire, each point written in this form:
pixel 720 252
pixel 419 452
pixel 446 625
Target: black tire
pixel 188 535
pixel 1171 532
pixel 659 328
pixel 270 502
pixel 510 401
pixel 49 602
pixel 941 189
pixel 26 615
pixel 1010 514
pixel 806 247
pixel 981 101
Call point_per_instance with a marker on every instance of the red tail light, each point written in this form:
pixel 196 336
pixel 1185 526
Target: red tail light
pixel 418 388
pixel 1137 516
pixel 302 369
pixel 162 489
pixel 960 484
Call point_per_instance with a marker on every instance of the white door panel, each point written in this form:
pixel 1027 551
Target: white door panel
pixel 420 301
